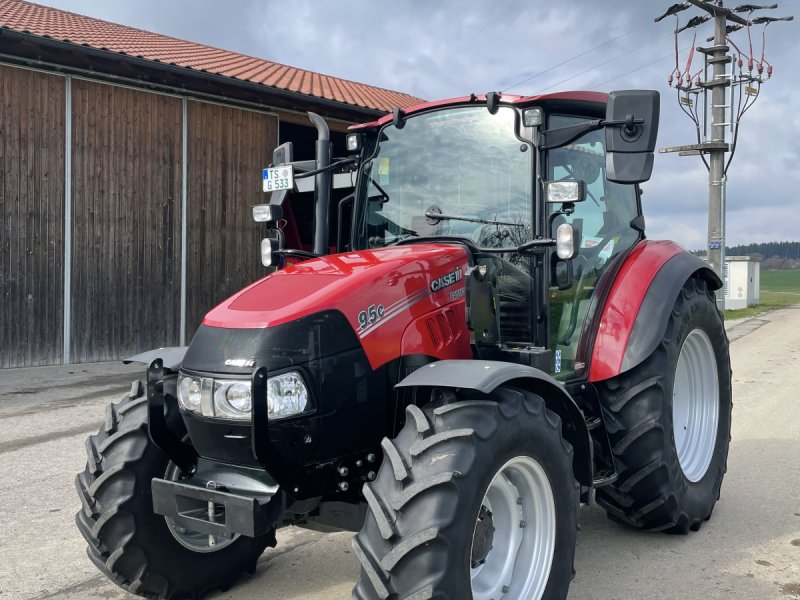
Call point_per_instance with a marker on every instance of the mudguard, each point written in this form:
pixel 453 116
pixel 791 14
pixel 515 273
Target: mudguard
pixel 485 375
pixel 635 316
pixel 171 356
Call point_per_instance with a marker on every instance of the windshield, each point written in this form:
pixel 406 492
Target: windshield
pixel 464 164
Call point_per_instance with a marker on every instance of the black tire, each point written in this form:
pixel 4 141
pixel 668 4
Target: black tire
pixel 126 540
pixel 652 491
pixel 416 542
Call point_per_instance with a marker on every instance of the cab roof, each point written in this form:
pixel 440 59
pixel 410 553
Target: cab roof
pixel 599 99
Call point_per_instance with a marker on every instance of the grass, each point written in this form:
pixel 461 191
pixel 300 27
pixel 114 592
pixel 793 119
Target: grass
pixel 779 289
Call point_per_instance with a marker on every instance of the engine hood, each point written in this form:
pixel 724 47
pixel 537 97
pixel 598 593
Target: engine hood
pixel 379 292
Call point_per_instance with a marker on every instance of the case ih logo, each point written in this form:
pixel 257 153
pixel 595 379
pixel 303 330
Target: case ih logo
pixel 240 362
pixel 447 280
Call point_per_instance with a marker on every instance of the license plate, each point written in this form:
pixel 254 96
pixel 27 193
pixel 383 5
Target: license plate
pixel 278 178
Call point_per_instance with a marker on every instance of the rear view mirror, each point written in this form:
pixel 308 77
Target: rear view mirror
pixel 631 136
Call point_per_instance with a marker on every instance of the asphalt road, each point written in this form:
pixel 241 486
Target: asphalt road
pixel 750 548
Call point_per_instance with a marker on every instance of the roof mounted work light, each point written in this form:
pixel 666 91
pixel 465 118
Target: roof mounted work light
pixel 533 117
pixel 354 142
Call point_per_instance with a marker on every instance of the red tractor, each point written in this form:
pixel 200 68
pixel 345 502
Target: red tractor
pixel 488 342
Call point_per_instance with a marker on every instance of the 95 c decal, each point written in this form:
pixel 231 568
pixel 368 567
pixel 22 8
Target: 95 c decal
pixel 371 316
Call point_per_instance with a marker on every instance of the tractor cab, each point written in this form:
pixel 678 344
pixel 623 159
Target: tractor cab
pixel 543 192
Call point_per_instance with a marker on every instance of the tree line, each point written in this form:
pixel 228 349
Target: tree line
pixel 774 255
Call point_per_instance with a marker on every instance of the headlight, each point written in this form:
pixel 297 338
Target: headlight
pixel 233 399
pixel 189 393
pixel 287 395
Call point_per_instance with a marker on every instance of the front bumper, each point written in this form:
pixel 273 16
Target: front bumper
pixel 215 511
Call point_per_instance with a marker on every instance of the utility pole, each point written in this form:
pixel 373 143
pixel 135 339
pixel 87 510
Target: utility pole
pixel 716 147
pixel 718 58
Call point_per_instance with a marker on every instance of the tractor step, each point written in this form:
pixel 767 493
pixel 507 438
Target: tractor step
pixel 602 478
pixel 593 423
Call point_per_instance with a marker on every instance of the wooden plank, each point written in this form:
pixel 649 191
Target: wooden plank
pixel 32 127
pixel 126 226
pixel 228 148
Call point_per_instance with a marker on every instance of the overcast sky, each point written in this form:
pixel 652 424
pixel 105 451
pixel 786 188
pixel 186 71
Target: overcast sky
pixel 453 47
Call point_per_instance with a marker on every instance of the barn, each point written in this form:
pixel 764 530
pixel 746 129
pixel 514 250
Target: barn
pixel 128 164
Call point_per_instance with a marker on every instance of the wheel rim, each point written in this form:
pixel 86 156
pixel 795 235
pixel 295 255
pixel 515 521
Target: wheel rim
pixel 520 502
pixel 194 540
pixel 695 405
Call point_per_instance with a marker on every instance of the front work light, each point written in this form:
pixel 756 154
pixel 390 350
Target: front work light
pixel 565 191
pixel 232 399
pixel 264 213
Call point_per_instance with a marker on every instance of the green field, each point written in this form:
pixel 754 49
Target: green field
pixel 778 289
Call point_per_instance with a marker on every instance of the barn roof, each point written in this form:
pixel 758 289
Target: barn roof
pixel 47 22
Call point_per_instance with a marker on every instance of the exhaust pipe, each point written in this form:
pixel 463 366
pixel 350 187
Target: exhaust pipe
pixel 322 185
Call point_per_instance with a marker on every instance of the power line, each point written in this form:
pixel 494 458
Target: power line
pixel 605 62
pixel 658 60
pixel 577 56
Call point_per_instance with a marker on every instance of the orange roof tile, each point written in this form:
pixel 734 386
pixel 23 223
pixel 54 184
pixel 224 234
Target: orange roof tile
pixel 35 19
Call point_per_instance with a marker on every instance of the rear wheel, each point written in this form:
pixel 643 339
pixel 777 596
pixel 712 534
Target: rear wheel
pixel 474 499
pixel 669 422
pixel 137 549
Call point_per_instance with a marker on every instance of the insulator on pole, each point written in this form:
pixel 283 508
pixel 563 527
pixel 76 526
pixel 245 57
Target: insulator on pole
pixel 669 80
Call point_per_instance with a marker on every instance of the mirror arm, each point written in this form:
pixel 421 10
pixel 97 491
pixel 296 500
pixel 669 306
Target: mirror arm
pixel 556 138
pixel 561 136
pixel 533 244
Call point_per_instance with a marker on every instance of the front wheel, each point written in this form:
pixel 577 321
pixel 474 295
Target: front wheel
pixel 669 422
pixel 143 552
pixel 474 499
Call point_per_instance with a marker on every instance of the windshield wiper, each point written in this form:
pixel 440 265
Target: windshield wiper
pixel 399 238
pixel 437 216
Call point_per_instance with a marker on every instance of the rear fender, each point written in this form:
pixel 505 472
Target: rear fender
pixel 635 316
pixel 486 375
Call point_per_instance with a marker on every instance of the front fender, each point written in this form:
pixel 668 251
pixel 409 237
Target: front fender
pixel 171 356
pixel 486 375
pixel 635 316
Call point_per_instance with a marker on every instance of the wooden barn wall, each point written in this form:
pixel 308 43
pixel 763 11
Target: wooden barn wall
pixel 32 125
pixel 227 149
pixel 126 194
